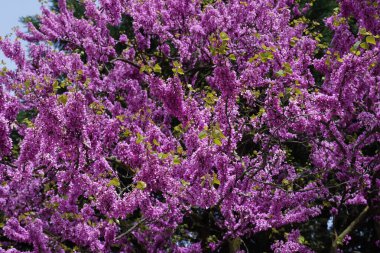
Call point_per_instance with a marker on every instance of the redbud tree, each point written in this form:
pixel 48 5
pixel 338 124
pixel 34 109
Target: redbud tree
pixel 191 126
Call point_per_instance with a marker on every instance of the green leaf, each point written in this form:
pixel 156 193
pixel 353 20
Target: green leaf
pixel 114 182
pixel 139 139
pixel 145 68
pixel 326 203
pixel 27 84
pixel 370 40
pixel 232 57
pixel 364 45
pixel 177 68
pixel 287 65
pixel 141 185
pixel 217 133
pixel 155 142
pixel 55 86
pixel 328 61
pixel 202 135
pixel 180 71
pixel 261 111
pixel 127 133
pixel 215 179
pixel 157 68
pixel 281 73
pixel 301 240
pixel 256 93
pixel 163 155
pixel 178 129
pixel 62 99
pixel 256 56
pixel 28 123
pixel 212 238
pixel 120 118
pixel 190 87
pixel 285 182
pixel 265 56
pixel 185 183
pixel 297 91
pixel 217 142
pixel 176 160
pixel 363 31
pixel 210 98
pixel 288 68
pixel 293 41
pixel 97 107
pixel 224 36
pixel 221 135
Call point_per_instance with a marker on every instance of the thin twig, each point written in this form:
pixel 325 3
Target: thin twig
pixel 126 61
pixel 130 229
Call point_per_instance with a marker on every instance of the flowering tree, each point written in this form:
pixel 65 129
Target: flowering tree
pixel 189 126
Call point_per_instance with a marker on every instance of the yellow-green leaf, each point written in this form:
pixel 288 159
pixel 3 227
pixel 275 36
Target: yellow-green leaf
pixel 141 185
pixel 180 71
pixel 55 86
pixel 62 99
pixel 301 240
pixel 157 68
pixel 114 182
pixel 281 73
pixel 127 133
pixel 217 142
pixel 185 183
pixel 224 36
pixel 297 91
pixel 370 40
pixel 28 123
pixel 176 160
pixel 261 111
pixel 120 118
pixel 215 180
pixel 139 139
pixel 364 45
pixel 155 142
pixel 202 135
pixel 232 57
pixel 363 31
pixel 163 155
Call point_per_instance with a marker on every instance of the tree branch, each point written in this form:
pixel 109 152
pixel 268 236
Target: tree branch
pixel 130 229
pixel 8 164
pixel 126 61
pixel 339 239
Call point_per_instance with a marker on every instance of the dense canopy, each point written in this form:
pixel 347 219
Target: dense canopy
pixel 192 126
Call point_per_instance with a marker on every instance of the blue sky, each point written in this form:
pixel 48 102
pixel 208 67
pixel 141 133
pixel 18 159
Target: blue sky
pixel 10 13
